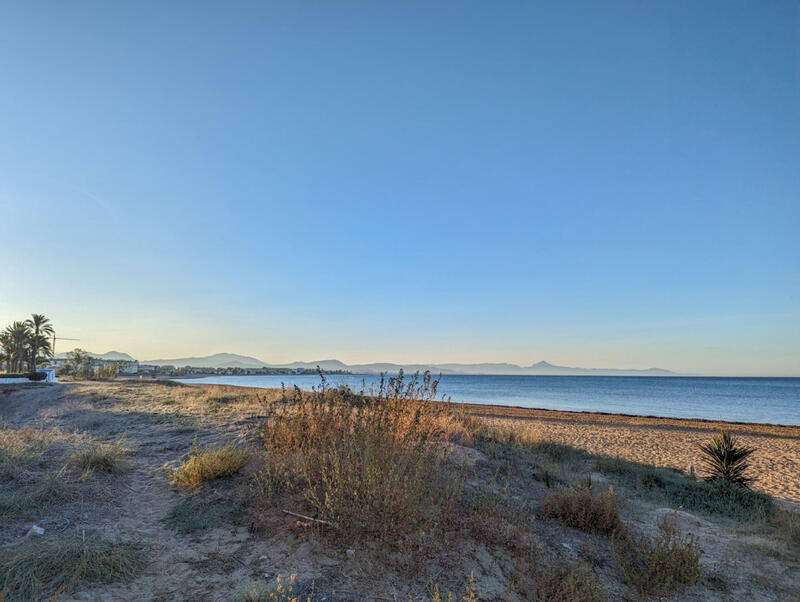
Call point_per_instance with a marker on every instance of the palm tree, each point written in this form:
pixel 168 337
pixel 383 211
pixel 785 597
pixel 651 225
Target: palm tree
pixel 5 349
pixel 40 337
pixel 16 341
pixel 725 460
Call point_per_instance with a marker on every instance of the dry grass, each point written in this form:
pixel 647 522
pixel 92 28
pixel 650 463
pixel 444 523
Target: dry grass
pixel 100 456
pixel 365 464
pixel 281 591
pixel 53 567
pixel 582 509
pixel 204 464
pixel 21 447
pixel 659 566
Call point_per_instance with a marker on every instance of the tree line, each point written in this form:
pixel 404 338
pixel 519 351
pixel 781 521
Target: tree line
pixel 26 344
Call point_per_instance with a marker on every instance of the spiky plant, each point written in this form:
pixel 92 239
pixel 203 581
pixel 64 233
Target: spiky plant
pixel 725 460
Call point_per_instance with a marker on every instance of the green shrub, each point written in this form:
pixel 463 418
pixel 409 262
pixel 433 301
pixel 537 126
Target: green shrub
pixel 725 460
pixel 659 566
pixel 582 509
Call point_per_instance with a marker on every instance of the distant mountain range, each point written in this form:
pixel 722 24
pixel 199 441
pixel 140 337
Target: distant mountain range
pixel 233 360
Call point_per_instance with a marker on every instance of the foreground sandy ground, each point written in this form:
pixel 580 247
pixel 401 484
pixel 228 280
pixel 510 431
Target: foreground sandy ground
pixel 158 424
pixel 668 442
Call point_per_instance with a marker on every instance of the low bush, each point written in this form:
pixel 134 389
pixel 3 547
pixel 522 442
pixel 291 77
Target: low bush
pixel 584 510
pixel 51 568
pixel 204 464
pixel 560 582
pixel 659 566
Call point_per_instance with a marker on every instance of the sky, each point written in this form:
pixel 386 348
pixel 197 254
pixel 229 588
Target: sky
pixel 610 184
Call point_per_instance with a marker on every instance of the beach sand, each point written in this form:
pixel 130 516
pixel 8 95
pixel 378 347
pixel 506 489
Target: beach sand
pixel 669 442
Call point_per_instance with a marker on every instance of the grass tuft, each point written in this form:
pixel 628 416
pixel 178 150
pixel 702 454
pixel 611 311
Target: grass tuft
pixel 100 456
pixel 53 567
pixel 204 464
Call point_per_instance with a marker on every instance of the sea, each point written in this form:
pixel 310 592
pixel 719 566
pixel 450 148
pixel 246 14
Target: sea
pixel 754 400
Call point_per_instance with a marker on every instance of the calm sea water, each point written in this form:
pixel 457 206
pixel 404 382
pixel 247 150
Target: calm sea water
pixel 767 400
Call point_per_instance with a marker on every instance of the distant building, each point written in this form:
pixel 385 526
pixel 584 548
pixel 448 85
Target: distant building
pixel 129 367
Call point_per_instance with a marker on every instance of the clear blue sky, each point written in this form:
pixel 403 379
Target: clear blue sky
pixel 610 184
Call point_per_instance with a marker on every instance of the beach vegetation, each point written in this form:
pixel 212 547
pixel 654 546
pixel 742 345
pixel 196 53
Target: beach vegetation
pixel 24 504
pixel 197 513
pixel 658 566
pixel 563 582
pixel 724 460
pixel 282 590
pixel 50 568
pixel 581 508
pixel 108 457
pixel 207 463
pixel 365 464
pixel 714 498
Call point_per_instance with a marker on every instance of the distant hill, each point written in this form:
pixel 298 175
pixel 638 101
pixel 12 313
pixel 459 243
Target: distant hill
pixel 233 360
pixel 218 360
pixel 324 364
pixel 109 355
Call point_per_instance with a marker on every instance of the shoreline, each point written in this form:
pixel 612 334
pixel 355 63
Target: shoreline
pixel 508 411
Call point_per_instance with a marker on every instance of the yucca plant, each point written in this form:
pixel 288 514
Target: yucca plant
pixel 725 460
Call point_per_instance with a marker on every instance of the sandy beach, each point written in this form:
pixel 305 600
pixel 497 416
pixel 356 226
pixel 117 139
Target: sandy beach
pixel 669 442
